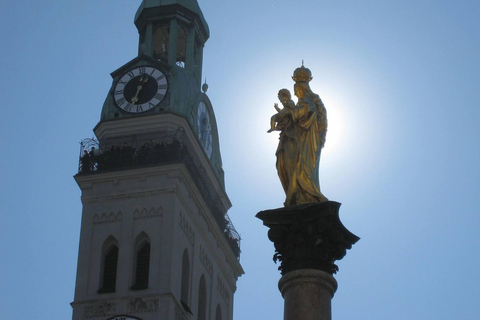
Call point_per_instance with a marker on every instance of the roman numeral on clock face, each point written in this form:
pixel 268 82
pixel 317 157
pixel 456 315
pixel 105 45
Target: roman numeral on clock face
pixel 140 89
pixel 121 101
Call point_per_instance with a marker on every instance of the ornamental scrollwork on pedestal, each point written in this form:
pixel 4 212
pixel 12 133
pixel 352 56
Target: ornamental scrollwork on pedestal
pixel 309 245
pixel 308 236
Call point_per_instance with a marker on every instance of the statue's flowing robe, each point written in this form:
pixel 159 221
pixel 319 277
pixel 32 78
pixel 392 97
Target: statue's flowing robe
pixel 298 153
pixel 286 153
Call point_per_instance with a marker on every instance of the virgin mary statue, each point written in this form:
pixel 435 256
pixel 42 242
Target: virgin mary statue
pixel 301 141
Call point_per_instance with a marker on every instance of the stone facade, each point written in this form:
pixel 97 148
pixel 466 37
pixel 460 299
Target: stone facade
pixel 161 204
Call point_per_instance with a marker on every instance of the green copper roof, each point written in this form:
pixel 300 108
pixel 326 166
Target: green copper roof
pixel 191 5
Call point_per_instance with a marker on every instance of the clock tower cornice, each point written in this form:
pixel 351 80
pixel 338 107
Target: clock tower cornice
pixel 141 60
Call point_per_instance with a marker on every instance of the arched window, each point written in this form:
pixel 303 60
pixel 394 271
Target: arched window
pixel 142 263
pixel 218 313
pixel 202 299
pixel 161 42
pixel 185 289
pixel 108 271
pixel 181 47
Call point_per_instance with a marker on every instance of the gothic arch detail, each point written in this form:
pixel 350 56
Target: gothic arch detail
pixel 206 260
pixel 187 229
pixel 218 313
pixel 185 282
pixel 202 299
pixel 141 262
pixel 108 265
pixel 107 218
pixel 148 214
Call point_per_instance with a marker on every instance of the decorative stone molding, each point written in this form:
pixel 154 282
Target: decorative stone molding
pixel 100 309
pixel 107 218
pixel 223 290
pixel 144 214
pixel 179 313
pixel 206 260
pixel 142 305
pixel 187 229
pixel 308 236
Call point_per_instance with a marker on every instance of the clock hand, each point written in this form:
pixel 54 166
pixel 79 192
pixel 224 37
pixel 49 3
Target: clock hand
pixel 135 99
pixel 143 80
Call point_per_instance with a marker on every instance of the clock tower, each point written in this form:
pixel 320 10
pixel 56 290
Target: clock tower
pixel 156 241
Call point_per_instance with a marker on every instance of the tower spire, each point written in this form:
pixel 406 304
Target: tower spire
pixel 173 31
pixel 154 221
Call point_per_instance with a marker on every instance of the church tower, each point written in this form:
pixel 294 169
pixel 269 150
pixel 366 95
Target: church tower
pixel 156 241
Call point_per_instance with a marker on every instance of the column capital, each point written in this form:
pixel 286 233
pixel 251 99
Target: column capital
pixel 308 236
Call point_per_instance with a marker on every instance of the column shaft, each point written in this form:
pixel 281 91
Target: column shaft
pixel 308 294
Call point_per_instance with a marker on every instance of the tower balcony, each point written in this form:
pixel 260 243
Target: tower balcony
pixel 156 150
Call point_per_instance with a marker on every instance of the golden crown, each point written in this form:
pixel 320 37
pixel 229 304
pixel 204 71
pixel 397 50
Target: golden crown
pixel 302 74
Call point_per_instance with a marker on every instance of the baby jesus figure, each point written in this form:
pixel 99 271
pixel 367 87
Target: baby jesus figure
pixel 280 120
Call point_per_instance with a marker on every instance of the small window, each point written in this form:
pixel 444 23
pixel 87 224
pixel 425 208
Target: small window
pixel 185 284
pixel 202 299
pixel 161 42
pixel 218 315
pixel 181 47
pixel 109 272
pixel 142 267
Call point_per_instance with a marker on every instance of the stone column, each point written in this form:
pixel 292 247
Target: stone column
pixel 190 50
pixel 308 240
pixel 308 294
pixel 173 43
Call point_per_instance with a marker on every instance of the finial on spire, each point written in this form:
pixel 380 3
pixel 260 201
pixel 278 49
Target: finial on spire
pixel 205 86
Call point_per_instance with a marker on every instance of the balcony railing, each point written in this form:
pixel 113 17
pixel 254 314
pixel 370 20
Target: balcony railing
pixel 164 148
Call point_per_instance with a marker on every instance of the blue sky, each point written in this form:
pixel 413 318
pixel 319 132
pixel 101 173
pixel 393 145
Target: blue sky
pixel 401 84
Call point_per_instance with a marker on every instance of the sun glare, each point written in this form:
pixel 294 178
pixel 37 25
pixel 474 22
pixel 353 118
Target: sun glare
pixel 336 127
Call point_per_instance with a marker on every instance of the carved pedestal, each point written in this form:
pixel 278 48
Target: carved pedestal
pixel 308 240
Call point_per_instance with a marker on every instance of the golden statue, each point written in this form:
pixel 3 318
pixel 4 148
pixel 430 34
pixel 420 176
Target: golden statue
pixel 303 128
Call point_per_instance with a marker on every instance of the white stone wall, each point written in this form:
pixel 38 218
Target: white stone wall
pixel 163 203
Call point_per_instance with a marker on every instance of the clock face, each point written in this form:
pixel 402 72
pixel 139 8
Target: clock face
pixel 204 128
pixel 140 89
